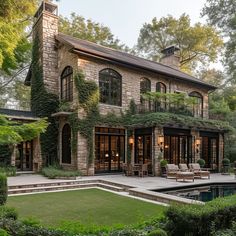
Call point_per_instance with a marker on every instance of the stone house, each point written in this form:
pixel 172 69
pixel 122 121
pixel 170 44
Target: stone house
pixel 122 78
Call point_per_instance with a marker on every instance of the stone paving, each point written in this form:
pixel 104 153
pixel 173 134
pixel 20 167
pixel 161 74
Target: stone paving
pixel 137 182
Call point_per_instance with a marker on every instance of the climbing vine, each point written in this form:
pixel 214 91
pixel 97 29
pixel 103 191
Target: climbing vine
pixel 44 104
pixel 88 97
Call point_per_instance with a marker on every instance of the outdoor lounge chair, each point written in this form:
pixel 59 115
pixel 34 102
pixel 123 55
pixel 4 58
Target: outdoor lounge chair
pixel 171 170
pixel 196 169
pixel 183 167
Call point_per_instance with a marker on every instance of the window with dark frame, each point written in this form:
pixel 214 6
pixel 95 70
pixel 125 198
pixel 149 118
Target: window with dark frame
pixel 161 88
pixel 145 86
pixel 110 86
pixel 197 109
pixel 67 84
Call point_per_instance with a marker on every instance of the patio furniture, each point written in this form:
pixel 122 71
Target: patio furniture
pixel 185 175
pixel 198 172
pixel 127 169
pixel 171 170
pixel 183 167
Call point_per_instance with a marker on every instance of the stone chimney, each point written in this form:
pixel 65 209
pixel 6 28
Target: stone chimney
pixel 170 57
pixel 45 29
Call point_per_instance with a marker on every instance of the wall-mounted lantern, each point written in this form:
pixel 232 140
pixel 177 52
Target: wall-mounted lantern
pixel 131 140
pixel 160 142
pixel 198 142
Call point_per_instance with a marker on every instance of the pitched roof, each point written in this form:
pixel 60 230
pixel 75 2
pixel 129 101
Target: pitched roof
pixel 92 49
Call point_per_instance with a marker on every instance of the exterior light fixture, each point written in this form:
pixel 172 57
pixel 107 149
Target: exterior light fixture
pixel 160 142
pixel 197 142
pixel 131 140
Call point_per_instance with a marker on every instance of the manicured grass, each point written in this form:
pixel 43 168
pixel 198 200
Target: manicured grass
pixel 88 206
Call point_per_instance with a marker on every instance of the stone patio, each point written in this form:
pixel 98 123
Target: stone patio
pixel 147 183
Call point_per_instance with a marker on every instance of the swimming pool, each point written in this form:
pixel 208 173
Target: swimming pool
pixel 203 193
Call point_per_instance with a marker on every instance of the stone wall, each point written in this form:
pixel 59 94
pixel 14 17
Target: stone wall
pixel 45 29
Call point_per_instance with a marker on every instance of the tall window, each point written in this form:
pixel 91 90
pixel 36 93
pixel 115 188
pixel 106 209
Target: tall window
pixel 67 84
pixel 145 86
pixel 197 107
pixel 110 87
pixel 161 88
pixel 66 144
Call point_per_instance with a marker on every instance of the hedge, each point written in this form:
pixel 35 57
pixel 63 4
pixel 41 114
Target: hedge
pixel 198 220
pixel 3 189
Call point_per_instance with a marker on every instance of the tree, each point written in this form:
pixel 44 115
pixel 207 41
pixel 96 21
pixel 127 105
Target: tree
pixel 78 27
pixel 13 133
pixel 198 43
pixel 221 13
pixel 15 17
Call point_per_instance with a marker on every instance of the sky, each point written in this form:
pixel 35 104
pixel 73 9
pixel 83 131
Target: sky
pixel 126 17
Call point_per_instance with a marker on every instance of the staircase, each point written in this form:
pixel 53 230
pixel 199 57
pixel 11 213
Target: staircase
pixel 68 185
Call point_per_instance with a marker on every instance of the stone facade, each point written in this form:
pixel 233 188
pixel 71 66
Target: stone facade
pixel 44 30
pixel 56 56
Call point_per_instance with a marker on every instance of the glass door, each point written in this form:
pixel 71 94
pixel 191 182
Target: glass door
pixel 24 156
pixel 109 149
pixel 143 151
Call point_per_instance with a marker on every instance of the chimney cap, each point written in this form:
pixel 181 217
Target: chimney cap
pixel 170 50
pixel 48 7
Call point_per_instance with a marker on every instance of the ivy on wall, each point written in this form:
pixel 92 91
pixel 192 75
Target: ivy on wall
pixel 88 97
pixel 44 104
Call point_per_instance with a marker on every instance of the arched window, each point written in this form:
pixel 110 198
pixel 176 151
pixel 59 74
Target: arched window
pixel 161 88
pixel 110 83
pixel 66 144
pixel 67 84
pixel 197 107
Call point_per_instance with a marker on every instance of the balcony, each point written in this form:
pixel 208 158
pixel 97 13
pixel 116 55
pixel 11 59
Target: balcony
pixel 147 106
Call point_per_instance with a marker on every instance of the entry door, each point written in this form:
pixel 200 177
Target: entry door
pixel 210 152
pixel 109 153
pixel 143 150
pixel 177 149
pixel 24 156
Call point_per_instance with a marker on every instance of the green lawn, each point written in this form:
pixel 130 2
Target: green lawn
pixel 88 206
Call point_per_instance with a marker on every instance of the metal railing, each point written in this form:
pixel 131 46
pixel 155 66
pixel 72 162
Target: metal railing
pixel 17 106
pixel 151 106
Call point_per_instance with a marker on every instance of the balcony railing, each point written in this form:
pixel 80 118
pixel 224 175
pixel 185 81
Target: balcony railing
pixel 181 109
pixel 17 106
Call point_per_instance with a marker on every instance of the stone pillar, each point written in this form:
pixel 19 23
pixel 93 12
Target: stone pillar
pixel 13 155
pixel 157 154
pixel 44 30
pixel 196 150
pixel 221 151
pixel 37 157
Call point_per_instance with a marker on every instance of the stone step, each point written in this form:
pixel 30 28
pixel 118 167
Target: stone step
pixel 123 186
pixel 62 187
pixel 51 184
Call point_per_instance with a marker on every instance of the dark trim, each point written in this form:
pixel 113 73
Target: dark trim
pixel 178 132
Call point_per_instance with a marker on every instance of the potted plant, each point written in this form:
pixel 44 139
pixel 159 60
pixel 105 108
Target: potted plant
pixel 201 162
pixel 225 164
pixel 163 164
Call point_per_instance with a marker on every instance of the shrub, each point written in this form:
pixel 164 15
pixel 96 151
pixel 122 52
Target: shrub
pixel 163 163
pixel 8 170
pixel 225 162
pixel 54 172
pixel 3 189
pixel 201 162
pixel 196 220
pixel 157 232
pixel 8 213
pixel 3 232
pixel 13 227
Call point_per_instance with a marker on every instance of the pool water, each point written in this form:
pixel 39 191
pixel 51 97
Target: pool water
pixel 204 193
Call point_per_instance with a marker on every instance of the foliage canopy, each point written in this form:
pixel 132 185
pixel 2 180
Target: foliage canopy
pixel 197 43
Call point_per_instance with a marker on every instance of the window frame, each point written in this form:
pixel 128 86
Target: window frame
pixel 197 95
pixel 67 88
pixel 110 75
